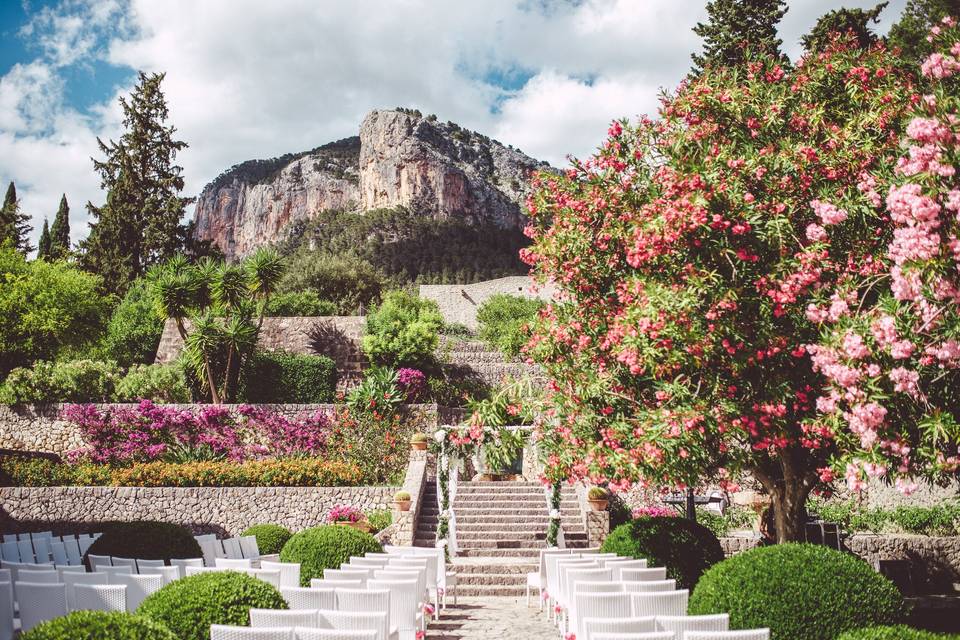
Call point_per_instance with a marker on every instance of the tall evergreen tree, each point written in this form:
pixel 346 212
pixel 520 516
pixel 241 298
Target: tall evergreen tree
pixel 844 21
pixel 60 231
pixel 139 225
pixel 735 25
pixel 43 246
pixel 14 226
pixel 910 32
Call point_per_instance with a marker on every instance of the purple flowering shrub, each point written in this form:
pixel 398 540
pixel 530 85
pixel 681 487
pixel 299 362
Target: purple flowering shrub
pixel 282 436
pixel 344 513
pixel 412 382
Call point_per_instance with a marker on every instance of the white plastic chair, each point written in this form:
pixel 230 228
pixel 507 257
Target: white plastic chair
pixel 652 635
pixel 72 547
pixel 289 572
pixel 125 562
pixel 746 634
pixel 138 587
pixel 100 597
pixel 41 548
pixel 69 568
pixel 593 626
pixel 99 561
pixel 538 579
pixel 117 571
pixel 322 583
pixel 26 550
pixel 597 605
pixel 639 575
pixel 58 552
pixel 556 577
pixel 270 577
pixel 84 544
pixel 600 587
pixel 10 551
pixel 368 563
pixel 348 574
pixel 308 598
pixel 182 563
pixel 568 587
pixel 333 634
pixel 375 621
pixel 668 603
pixel 40 602
pixel 649 586
pixel 167 574
pixel 231 547
pixel 144 565
pixel 38 577
pixel 225 632
pixel 283 618
pixel 249 547
pixel 359 600
pixel 73 579
pixel 232 563
pixel 404 617
pixel 681 624
pixel 619 565
pixel 9 537
pixel 6 610
pixel 209 549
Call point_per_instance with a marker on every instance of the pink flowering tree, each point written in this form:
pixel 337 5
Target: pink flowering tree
pixel 892 362
pixel 697 256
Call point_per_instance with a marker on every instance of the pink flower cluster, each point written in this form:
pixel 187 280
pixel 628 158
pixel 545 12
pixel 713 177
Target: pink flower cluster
pixel 412 382
pixel 653 511
pixel 282 436
pixel 344 513
pixel 829 214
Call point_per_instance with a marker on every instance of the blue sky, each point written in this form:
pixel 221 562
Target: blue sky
pixel 248 79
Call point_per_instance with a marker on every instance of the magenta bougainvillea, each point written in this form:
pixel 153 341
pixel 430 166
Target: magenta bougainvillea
pixel 413 383
pixel 344 513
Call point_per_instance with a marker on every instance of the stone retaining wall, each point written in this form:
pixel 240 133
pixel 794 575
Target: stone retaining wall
pixel 459 302
pixel 226 511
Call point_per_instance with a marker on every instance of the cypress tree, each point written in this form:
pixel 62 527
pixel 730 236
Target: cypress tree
pixel 843 21
pixel 43 246
pixel 139 225
pixel 60 231
pixel 14 227
pixel 735 25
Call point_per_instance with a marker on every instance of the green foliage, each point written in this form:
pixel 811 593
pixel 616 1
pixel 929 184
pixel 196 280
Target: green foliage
pixel 70 381
pixel 43 245
pixel 799 591
pixel 843 21
pixel 146 539
pixel 14 227
pixel 134 330
pixel 326 547
pixel 270 537
pixel 45 309
pixel 189 606
pixel 597 493
pixel 938 520
pixel 99 625
pixel 60 231
pixel 349 282
pixel 286 377
pixel 731 25
pixel 380 519
pixel 456 330
pixel 403 331
pixel 896 632
pixel 161 383
pixel 378 391
pixel 300 303
pixel 685 548
pixel 504 450
pixel 909 34
pixel 504 321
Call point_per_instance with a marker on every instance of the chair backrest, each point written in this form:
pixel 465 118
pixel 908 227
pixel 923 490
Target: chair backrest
pixel 231 547
pixel 100 597
pixel 6 610
pixel 403 602
pixel 148 564
pixel 599 587
pixel 138 587
pixel 192 571
pixel 429 562
pixel 593 626
pixel 72 547
pixel 374 600
pixel 125 562
pixel 651 635
pixel 226 632
pixel 283 618
pixel 232 563
pixel 667 603
pixel 560 579
pixel 182 563
pixel 72 579
pixel 334 634
pixel 249 547
pixel 99 561
pixel 38 577
pixel 9 537
pixel 746 634
pixel 62 569
pixel 41 548
pixel 26 550
pixel 573 576
pixel 553 562
pixel 58 552
pixel 42 534
pixel 83 543
pixel 270 577
pixel 619 564
pixel 637 574
pixel 167 574
pixel 597 605
pixel 116 571
pixel 309 597
pixel 405 573
pixel 10 551
pixel 323 583
pixel 40 602
pixel 681 624
pixel 373 563
pixel 289 572
pixel 375 621
pixel 209 549
pixel 348 574
pixel 546 553
pixel 649 586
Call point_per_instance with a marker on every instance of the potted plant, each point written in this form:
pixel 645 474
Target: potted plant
pixel 401 500
pixel 418 442
pixel 598 498
pixel 348 516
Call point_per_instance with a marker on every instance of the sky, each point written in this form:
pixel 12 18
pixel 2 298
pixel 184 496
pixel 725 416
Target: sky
pixel 252 79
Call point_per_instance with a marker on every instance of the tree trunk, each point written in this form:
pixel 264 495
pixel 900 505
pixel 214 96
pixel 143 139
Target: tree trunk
pixel 789 512
pixel 214 395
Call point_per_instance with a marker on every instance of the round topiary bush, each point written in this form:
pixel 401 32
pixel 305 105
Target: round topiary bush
pixel 99 625
pixel 685 548
pixel 799 591
pixel 898 632
pixel 189 606
pixel 326 548
pixel 270 537
pixel 145 540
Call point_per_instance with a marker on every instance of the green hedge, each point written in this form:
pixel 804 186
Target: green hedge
pixel 276 377
pixel 685 548
pixel 502 319
pixel 146 540
pixel 898 632
pixel 161 383
pixel 799 591
pixel 99 625
pixel 189 606
pixel 326 547
pixel 68 381
pixel 270 537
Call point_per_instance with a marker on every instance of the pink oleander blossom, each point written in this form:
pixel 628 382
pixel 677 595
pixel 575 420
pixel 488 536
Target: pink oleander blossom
pixel 829 214
pixel 653 511
pixel 344 513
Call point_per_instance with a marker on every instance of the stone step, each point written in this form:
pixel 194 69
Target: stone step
pixel 483 527
pixel 493 565
pixel 500 511
pixel 540 520
pixel 532 554
pixel 474 538
pixel 502 579
pixel 486 591
pixel 501 544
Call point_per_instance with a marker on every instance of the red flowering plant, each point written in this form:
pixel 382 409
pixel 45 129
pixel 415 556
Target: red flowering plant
pixel 344 513
pixel 686 252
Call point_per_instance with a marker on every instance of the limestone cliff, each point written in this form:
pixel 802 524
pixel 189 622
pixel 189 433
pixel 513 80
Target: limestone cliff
pixel 400 159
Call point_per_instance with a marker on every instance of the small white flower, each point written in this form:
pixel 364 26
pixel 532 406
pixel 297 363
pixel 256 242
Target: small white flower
pixel 439 435
pixel 554 514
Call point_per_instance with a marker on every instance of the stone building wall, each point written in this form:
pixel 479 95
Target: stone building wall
pixel 459 302
pixel 226 511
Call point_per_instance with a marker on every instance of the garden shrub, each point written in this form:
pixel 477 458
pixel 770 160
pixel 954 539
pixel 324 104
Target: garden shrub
pixel 799 591
pixel 349 282
pixel 380 519
pixel 299 303
pixel 326 547
pixel 166 383
pixel 276 377
pixel 270 537
pixel 896 632
pixel 378 444
pixel 503 318
pixel 145 539
pixel 403 331
pixel 99 625
pixel 685 548
pixel 189 606
pixel 69 381
pixel 134 330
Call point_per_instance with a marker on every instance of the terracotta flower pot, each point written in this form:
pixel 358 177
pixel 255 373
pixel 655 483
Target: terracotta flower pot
pixel 598 505
pixel 362 525
pixel 402 505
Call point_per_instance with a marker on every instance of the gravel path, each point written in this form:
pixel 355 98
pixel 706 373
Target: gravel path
pixel 492 618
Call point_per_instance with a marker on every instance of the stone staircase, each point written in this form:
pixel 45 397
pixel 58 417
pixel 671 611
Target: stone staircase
pixel 488 364
pixel 501 528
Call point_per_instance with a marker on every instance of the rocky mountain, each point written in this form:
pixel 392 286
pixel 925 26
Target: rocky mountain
pixel 400 159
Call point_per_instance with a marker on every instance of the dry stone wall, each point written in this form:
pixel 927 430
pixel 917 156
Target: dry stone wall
pixel 459 302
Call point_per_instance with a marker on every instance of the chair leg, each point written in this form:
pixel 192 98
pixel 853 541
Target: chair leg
pixel 528 596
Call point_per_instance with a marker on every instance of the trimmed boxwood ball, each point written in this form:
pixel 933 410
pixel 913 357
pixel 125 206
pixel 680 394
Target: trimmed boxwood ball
pixel 189 606
pixel 145 540
pixel 685 548
pixel 99 625
pixel 270 537
pixel 898 632
pixel 799 591
pixel 326 547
